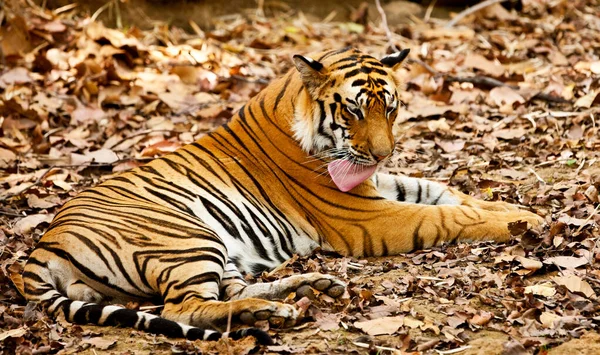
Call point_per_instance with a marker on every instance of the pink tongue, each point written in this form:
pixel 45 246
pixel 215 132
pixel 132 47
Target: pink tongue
pixel 347 175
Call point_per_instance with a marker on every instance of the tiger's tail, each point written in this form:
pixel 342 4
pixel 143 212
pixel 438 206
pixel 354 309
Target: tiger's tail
pixel 36 289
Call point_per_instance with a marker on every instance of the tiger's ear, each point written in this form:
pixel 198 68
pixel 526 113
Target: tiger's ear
pixel 311 71
pixel 394 60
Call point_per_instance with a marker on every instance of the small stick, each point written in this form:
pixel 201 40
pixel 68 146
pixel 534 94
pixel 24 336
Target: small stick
pixel 471 10
pixel 260 10
pixel 429 11
pixel 100 11
pixel 384 23
pixel 119 23
pixel 537 176
pixel 486 81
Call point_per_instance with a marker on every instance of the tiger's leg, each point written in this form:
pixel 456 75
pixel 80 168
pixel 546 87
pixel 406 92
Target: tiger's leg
pixel 406 189
pixel 191 293
pixel 391 228
pixel 79 291
pixel 234 287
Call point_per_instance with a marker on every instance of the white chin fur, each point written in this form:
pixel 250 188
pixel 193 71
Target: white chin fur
pixel 306 131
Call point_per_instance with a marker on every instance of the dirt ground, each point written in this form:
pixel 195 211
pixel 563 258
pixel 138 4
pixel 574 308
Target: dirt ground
pixel 503 106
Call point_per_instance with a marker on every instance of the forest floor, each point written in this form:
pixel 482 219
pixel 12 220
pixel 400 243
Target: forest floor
pixel 504 106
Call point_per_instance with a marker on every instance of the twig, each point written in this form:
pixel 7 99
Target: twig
pixel 485 81
pixel 36 183
pixel 197 29
pixel 384 23
pixel 119 23
pixel 261 81
pixel 10 213
pixel 424 65
pixel 429 11
pixel 100 11
pixel 539 178
pixel 471 10
pixel 260 10
pixel 65 8
pixel 479 80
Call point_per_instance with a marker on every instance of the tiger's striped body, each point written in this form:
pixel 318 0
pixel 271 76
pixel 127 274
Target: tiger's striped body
pixel 245 198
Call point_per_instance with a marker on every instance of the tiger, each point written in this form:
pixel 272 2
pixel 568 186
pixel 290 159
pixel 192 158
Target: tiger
pixel 295 169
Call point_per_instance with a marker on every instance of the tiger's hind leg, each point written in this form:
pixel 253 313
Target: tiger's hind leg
pixel 79 291
pixel 191 292
pixel 234 287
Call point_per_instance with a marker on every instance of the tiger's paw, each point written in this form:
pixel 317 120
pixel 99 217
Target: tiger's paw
pixel 326 284
pixel 532 219
pixel 279 315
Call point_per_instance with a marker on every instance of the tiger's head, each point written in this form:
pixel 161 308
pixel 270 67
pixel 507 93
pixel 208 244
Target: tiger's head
pixel 349 105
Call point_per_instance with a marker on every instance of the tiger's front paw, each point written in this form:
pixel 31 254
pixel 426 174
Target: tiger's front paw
pixel 279 315
pixel 532 219
pixel 326 284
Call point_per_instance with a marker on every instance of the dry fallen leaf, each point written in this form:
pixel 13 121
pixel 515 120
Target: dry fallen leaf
pixel 27 224
pixel 567 262
pixel 478 61
pixel 544 289
pixel 503 95
pixel 450 146
pixel 413 323
pixel 100 342
pixel 13 333
pixel 588 100
pixel 160 148
pixel 575 284
pixel 482 318
pixel 548 319
pixel 14 76
pixel 381 326
pixel 529 264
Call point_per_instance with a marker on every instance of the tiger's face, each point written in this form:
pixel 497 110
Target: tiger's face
pixel 350 107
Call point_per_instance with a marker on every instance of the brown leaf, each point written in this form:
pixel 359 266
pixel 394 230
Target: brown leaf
pixel 160 148
pixel 575 284
pixel 14 76
pixel 381 326
pixel 545 289
pixel 529 264
pixel 84 114
pixel 513 347
pixel 478 61
pixel 503 95
pixel 586 101
pixel 482 318
pixel 47 202
pixel 450 146
pixel 509 134
pixel 13 333
pixel 549 319
pixel 329 321
pixel 567 262
pixel 286 349
pixel 27 224
pixel 100 343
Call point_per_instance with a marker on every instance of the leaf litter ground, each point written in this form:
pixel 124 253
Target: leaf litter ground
pixel 503 106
